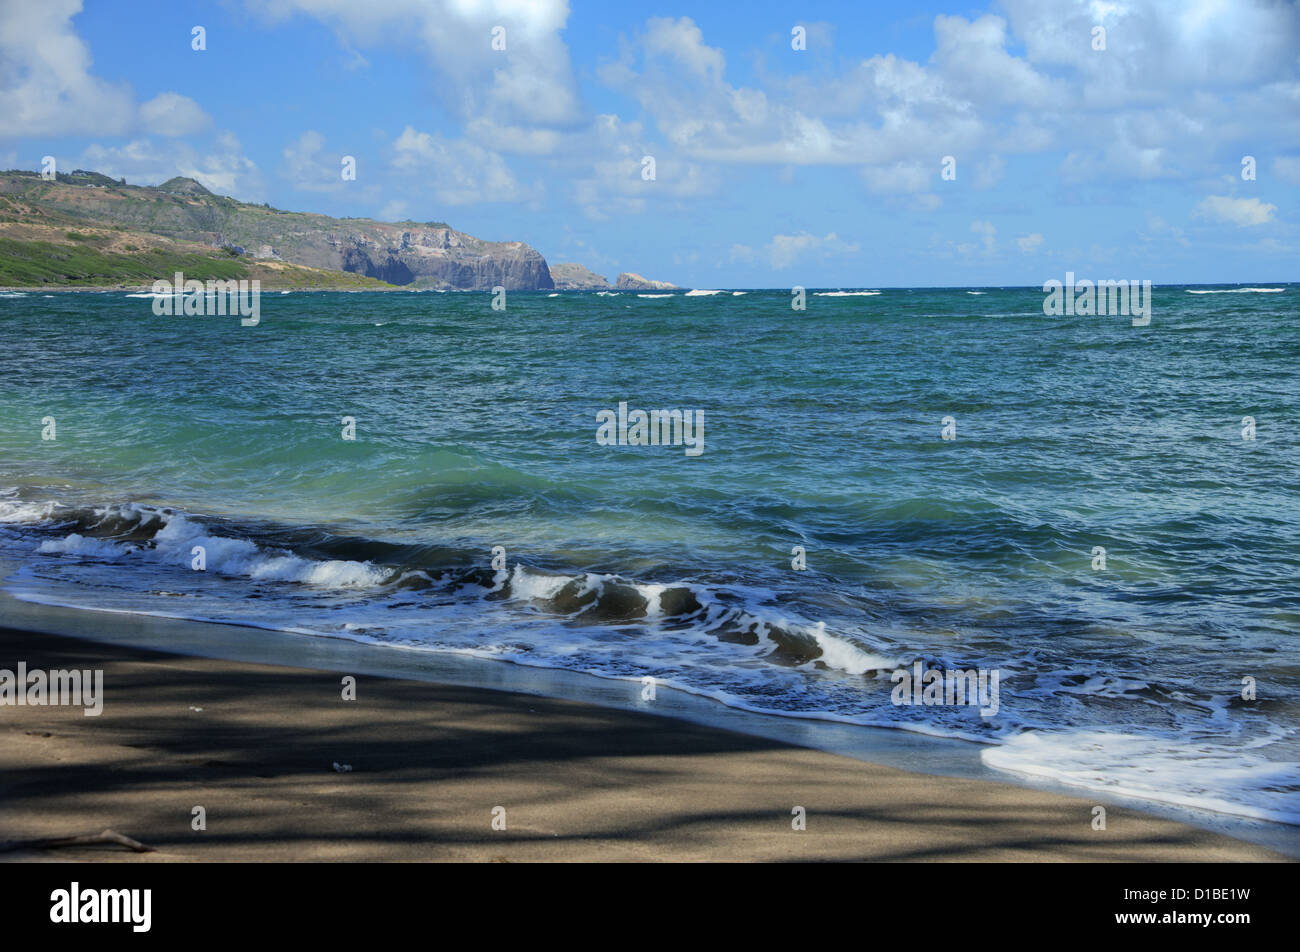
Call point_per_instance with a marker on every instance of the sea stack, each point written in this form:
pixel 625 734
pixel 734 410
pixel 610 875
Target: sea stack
pixel 631 281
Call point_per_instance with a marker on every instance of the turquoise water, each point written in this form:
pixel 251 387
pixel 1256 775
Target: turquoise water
pixel 477 428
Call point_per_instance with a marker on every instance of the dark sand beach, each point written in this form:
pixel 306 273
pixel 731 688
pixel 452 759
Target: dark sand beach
pixel 431 762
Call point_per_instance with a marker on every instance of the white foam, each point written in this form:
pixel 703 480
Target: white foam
pixel 27 513
pixel 844 293
pixel 175 541
pixel 556 294
pixel 1180 771
pixel 653 595
pixel 1238 291
pixel 699 293
pixel 738 293
pixel 655 295
pixel 532 585
pixel 75 544
pixel 844 656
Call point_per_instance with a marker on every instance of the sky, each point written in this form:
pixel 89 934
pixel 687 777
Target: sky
pixel 904 145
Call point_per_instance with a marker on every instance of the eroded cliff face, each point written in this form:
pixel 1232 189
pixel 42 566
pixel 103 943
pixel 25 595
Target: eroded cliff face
pixel 429 257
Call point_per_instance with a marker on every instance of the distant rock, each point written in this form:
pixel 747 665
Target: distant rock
pixel 631 281
pixel 574 277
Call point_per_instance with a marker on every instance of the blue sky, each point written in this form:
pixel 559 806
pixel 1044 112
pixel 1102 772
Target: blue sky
pixel 774 167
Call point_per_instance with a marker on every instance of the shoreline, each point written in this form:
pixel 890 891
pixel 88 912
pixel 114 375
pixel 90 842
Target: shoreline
pixel 622 784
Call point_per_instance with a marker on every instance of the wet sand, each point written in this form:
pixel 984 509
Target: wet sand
pixel 430 763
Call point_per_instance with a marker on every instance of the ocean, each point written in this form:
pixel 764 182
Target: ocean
pixel 886 482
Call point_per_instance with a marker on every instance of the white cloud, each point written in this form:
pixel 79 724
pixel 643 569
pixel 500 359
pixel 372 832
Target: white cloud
pixel 170 114
pixel 225 171
pixel 987 246
pixel 609 181
pixel 1242 212
pixel 458 172
pixel 46 88
pixel 892 117
pixel 307 169
pixel 904 183
pixel 1154 48
pixel 973 59
pixel 988 235
pixel 899 177
pixel 1174 83
pixel 531 82
pixel 1030 243
pixel 783 251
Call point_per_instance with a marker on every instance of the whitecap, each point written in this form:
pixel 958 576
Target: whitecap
pixel 1237 291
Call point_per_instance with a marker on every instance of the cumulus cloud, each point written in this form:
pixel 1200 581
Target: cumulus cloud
pixel 47 87
pixel 1030 243
pixel 457 172
pixel 988 235
pixel 224 169
pixel 1242 212
pixel 610 179
pixel 307 169
pixel 1173 81
pixel 783 251
pixel 973 57
pixel 171 114
pixel 531 82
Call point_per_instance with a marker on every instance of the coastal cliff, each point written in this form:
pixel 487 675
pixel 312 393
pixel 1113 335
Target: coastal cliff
pixel 181 217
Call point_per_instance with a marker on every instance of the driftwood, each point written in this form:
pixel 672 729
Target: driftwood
pixel 89 839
